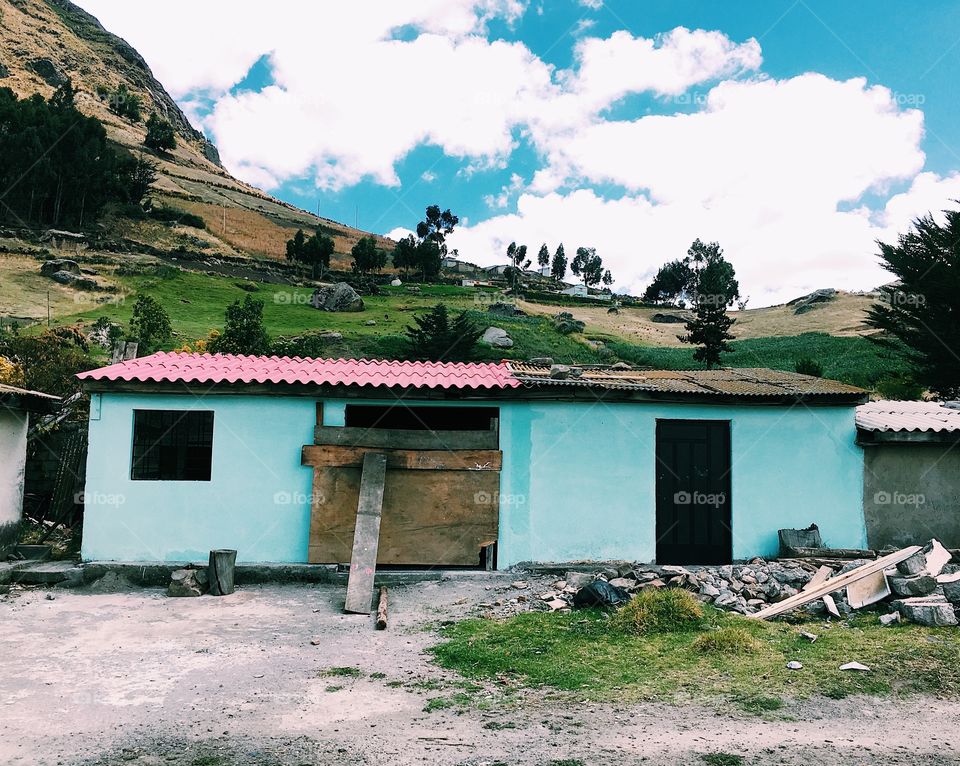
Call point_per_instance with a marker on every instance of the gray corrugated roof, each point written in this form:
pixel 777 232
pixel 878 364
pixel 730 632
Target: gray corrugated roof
pixel 908 416
pixel 735 382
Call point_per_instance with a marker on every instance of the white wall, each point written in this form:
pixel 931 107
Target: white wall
pixel 13 457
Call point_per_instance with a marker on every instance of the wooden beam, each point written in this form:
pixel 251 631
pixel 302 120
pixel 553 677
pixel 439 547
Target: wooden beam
pixel 366 536
pixel 821 576
pixel 319 413
pixel 382 609
pixel 398 438
pixel 835 583
pixel 323 456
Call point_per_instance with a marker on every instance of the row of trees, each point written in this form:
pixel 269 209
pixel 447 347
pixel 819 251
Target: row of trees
pixel 313 252
pixel 57 167
pixel 586 264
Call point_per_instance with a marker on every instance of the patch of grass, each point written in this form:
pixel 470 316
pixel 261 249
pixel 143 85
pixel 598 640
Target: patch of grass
pixel 580 652
pixel 856 361
pixel 758 703
pixel 565 762
pixel 663 610
pixel 343 671
pixel 207 760
pixel 728 640
pixel 498 725
pixel 378 675
pixel 721 759
pixel 333 689
pixel 458 700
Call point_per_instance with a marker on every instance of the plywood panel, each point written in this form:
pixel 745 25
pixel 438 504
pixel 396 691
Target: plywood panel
pixel 428 517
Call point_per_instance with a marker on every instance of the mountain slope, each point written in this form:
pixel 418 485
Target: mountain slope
pixel 43 42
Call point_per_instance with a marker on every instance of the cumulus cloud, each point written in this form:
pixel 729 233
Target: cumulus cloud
pixel 776 170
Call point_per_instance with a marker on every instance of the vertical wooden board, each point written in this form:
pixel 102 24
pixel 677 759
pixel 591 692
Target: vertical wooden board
pixel 333 514
pixel 366 538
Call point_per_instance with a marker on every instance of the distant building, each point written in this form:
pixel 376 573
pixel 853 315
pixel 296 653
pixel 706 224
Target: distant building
pixel 579 291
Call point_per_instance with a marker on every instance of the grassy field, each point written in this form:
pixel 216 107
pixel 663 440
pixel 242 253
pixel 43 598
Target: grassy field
pixel 584 653
pixel 196 303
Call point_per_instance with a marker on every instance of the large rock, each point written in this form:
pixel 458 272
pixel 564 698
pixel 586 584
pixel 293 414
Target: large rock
pixel 578 579
pixel 59 265
pixel 932 611
pixel 564 323
pixel 912 585
pixel 496 337
pixel 951 587
pixel 807 302
pixel 338 297
pixel 502 309
pixel 662 318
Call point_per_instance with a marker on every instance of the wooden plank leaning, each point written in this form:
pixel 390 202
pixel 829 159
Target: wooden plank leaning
pixel 835 583
pixel 366 536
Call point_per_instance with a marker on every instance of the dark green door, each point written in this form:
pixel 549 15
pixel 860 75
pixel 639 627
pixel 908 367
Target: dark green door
pixel 693 492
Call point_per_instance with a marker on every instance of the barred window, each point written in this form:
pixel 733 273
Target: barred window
pixel 172 445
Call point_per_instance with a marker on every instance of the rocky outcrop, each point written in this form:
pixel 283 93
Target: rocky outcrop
pixel 662 318
pixel 806 303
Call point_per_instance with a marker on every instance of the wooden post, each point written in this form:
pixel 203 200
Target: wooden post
pixel 382 609
pixel 366 536
pixel 220 571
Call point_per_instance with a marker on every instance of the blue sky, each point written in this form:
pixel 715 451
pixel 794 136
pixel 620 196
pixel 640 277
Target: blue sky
pixel 795 133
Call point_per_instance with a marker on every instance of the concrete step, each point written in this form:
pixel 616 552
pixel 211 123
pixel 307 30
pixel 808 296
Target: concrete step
pixel 46 573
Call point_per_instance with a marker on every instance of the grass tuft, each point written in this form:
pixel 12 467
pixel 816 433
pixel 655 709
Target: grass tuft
pixel 721 759
pixel 727 640
pixel 668 610
pixel 343 671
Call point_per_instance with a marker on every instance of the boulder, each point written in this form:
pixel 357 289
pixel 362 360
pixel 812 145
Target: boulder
pixel 47 70
pixel 578 580
pixel 559 371
pixel 931 611
pixel 662 318
pixel 59 265
pixel 502 309
pixel 329 336
pixel 912 585
pixel 338 297
pixel 395 283
pixel 496 337
pixel 541 361
pixel 564 323
pixel 184 583
pixel 916 564
pixel 951 587
pixel 808 302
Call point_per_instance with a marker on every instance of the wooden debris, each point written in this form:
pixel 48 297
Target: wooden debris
pixel 829 553
pixel 836 583
pixel 821 575
pixel 831 606
pixel 855 666
pixel 868 591
pixel 382 609
pixel 366 537
pixel 799 538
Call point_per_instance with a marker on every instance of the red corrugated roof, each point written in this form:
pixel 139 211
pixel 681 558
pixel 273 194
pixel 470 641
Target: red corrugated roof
pixel 229 368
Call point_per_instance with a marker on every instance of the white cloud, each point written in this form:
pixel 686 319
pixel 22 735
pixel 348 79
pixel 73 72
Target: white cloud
pixel 593 5
pixel 770 168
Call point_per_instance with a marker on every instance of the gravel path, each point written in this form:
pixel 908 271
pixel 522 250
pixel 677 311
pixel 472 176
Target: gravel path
pixel 138 678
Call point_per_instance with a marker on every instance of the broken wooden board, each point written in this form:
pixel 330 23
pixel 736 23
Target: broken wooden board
pixel 430 517
pixel 869 590
pixel 399 438
pixel 324 456
pixel 835 584
pixel 821 576
pixel 828 553
pixel 831 606
pixel 366 538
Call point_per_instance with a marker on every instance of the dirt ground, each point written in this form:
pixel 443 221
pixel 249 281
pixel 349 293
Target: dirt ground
pixel 135 677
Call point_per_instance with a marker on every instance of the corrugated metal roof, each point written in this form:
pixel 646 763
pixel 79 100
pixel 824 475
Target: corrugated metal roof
pixel 4 389
pixel 228 368
pixel 908 416
pixel 722 382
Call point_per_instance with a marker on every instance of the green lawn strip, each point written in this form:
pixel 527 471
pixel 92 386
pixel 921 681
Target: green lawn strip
pixel 580 652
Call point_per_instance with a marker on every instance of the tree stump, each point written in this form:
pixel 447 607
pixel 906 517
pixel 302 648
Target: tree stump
pixel 220 569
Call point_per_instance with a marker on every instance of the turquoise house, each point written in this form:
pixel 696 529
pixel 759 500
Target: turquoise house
pixel 487 464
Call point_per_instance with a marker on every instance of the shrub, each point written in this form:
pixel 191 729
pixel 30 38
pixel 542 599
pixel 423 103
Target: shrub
pixel 174 215
pixel 150 324
pixel 726 641
pixel 899 387
pixel 437 338
pixel 807 366
pixel 666 610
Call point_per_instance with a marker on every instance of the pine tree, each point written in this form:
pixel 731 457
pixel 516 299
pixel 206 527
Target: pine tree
pixel 543 257
pixel 435 338
pixel 558 267
pixel 714 287
pixel 919 315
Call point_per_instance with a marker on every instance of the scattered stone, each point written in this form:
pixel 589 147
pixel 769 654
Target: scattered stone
pixel 519 584
pixel 811 637
pixel 932 611
pixel 621 366
pixel 559 372
pixel 794 665
pixel 395 283
pixel 855 666
pixel 577 580
pixel 541 361
pixel 502 309
pixel 890 619
pixel 709 590
pixel 496 337
pixel 338 297
pixel 557 604
pixel 662 318
pixel 564 323
pixel 370 322
pixel 916 564
pixel 951 587
pixel 912 585
pixel 625 583
pixel 329 336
